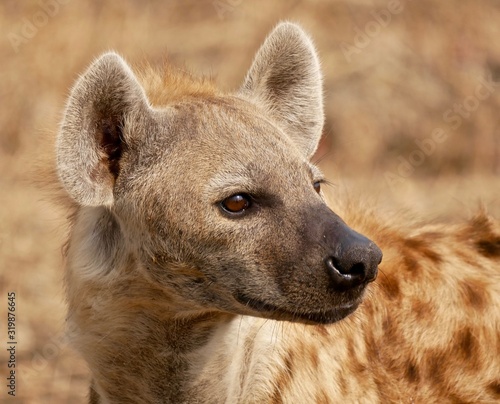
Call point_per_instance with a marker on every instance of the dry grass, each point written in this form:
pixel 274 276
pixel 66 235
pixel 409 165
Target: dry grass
pixel 380 99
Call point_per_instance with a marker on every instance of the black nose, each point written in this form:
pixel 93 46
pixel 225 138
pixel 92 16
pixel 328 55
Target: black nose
pixel 354 263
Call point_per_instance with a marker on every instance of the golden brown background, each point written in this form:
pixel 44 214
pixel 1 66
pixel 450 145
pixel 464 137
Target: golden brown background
pixel 392 71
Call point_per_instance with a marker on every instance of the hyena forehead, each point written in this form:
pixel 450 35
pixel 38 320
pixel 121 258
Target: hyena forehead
pixel 229 144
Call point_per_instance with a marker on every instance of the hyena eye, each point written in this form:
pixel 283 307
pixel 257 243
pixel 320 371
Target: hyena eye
pixel 236 203
pixel 317 186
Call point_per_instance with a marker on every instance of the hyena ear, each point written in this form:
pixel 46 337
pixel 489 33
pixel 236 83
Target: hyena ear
pixel 92 136
pixel 285 77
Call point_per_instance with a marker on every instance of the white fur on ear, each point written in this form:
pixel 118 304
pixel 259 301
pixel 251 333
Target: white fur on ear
pixel 285 77
pixel 90 140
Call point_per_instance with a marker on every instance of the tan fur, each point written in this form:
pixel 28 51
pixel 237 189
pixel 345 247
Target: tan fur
pixel 170 85
pixel 155 267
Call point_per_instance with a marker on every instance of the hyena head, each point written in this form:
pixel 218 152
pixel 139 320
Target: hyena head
pixel 212 196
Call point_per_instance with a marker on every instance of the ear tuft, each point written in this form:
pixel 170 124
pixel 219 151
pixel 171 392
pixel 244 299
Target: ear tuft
pixel 91 139
pixel 285 77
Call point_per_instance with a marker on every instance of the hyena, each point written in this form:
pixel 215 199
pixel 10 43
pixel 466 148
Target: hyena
pixel 204 266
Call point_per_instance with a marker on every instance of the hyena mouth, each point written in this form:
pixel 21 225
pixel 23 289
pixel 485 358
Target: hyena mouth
pixel 268 310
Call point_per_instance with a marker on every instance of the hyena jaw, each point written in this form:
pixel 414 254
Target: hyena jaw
pixel 204 266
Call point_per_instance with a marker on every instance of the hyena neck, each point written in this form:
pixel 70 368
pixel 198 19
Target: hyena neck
pixel 126 328
pixel 151 355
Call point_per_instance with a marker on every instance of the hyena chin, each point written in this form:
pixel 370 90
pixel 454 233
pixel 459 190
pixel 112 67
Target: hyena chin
pixel 204 266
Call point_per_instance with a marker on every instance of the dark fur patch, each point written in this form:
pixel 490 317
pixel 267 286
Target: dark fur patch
pixel 472 293
pixel 412 373
pixel 357 365
pixel 390 287
pixel 391 331
pixel 494 388
pixel 314 356
pixel 411 264
pixel 422 310
pixel 435 367
pixel 321 329
pixel 489 248
pixel 486 242
pixel 467 343
pixel 422 247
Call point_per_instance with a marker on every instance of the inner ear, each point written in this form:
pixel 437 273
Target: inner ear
pixel 110 138
pixel 285 79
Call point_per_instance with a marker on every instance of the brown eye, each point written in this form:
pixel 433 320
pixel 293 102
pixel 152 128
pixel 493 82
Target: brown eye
pixel 236 204
pixel 317 186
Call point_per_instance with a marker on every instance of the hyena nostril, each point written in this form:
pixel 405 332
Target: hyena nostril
pixel 346 268
pixel 358 269
pixel 354 267
pixel 345 277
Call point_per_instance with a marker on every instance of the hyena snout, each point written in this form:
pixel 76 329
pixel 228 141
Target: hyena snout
pixel 354 261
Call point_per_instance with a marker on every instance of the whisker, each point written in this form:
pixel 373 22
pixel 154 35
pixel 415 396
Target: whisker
pixel 329 183
pixel 319 159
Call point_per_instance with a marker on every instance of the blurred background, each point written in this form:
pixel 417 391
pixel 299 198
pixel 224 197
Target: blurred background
pixel 412 92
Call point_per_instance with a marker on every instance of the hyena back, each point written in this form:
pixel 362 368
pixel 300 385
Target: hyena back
pixel 203 265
